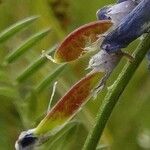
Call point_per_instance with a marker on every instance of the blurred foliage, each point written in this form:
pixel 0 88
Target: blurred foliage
pixel 22 106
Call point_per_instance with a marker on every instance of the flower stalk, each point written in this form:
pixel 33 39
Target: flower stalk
pixel 114 93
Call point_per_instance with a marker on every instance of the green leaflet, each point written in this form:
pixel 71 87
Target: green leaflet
pixel 10 31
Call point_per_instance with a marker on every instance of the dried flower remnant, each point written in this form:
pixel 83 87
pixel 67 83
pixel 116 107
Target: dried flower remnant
pixel 26 141
pixel 106 63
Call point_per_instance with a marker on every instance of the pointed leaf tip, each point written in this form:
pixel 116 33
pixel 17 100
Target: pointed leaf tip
pixel 16 27
pixel 26 45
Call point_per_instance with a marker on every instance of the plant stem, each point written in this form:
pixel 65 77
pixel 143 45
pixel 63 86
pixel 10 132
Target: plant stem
pixel 114 93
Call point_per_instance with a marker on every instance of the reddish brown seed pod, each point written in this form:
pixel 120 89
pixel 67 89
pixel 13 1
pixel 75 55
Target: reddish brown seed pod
pixel 73 45
pixel 69 104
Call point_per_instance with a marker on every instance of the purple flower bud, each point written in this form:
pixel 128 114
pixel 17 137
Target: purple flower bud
pixel 131 27
pixel 116 12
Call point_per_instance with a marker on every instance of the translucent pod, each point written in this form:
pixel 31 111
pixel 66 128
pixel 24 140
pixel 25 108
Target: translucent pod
pixel 69 104
pixel 74 44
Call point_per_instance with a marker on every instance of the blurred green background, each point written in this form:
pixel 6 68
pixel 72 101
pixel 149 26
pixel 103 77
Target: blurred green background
pixel 22 107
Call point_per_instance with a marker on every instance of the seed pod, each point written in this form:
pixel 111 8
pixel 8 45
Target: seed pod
pixel 68 105
pixel 61 113
pixel 73 45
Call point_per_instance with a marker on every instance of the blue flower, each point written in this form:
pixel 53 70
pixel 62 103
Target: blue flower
pixel 130 28
pixel 116 12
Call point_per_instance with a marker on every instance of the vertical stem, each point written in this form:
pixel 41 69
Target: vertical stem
pixel 114 93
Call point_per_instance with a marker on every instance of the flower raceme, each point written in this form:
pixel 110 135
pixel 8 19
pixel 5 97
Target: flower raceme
pixel 89 37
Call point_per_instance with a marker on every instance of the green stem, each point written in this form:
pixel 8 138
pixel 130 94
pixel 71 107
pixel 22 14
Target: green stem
pixel 114 93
